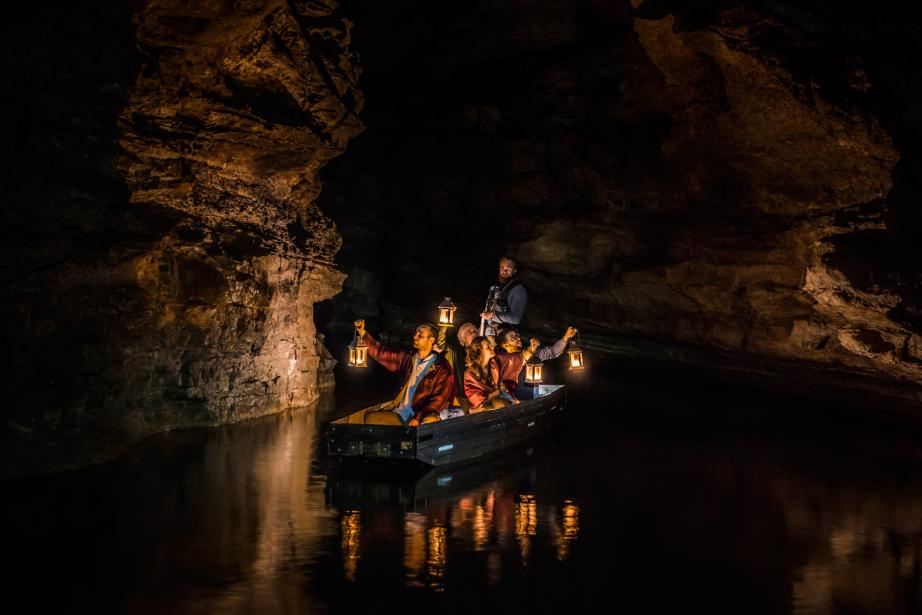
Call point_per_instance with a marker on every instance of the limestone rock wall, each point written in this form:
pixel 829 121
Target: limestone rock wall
pixel 164 247
pixel 720 182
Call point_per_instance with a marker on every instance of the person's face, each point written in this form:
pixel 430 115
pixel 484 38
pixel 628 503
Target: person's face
pixel 513 342
pixel 423 339
pixel 466 335
pixel 487 351
pixel 506 270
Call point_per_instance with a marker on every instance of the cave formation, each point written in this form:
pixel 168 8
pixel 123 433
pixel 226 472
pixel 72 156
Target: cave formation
pixel 720 183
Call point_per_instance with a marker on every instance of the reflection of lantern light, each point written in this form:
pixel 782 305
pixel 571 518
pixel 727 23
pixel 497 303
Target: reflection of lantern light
pixel 358 352
pixel 533 370
pixel 447 313
pixel 526 524
pixel 570 529
pixel 414 549
pixel 438 553
pixel 351 530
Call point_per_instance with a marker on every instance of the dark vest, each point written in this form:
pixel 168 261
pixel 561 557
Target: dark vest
pixel 499 297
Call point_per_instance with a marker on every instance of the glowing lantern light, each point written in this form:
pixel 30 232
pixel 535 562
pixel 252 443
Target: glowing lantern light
pixel 447 313
pixel 533 369
pixel 576 355
pixel 358 352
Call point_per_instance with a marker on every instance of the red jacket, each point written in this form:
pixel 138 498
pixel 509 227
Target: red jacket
pixel 436 388
pixel 475 390
pixel 505 367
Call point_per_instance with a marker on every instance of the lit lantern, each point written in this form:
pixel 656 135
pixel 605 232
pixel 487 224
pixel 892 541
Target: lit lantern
pixel 358 352
pixel 576 356
pixel 533 370
pixel 447 313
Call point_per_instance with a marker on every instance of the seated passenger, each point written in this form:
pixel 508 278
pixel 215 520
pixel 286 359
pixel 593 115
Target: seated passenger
pixel 456 352
pixel 508 365
pixel 479 386
pixel 427 383
pixel 501 332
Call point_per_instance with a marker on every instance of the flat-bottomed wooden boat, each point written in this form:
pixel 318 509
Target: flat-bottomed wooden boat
pixel 461 439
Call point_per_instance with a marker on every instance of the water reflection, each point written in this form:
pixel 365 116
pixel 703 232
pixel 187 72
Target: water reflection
pixel 351 535
pixel 526 524
pixel 437 538
pixel 457 520
pixel 865 551
pixel 414 549
pixel 569 530
pixel 254 518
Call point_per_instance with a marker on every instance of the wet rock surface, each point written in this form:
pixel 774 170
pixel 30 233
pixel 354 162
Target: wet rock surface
pixel 714 182
pixel 163 249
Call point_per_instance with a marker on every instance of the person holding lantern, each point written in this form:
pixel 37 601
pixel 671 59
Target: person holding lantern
pixel 427 381
pixel 506 301
pixel 480 387
pixel 509 363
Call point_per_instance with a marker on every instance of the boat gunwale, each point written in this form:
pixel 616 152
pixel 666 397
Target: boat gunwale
pixel 477 418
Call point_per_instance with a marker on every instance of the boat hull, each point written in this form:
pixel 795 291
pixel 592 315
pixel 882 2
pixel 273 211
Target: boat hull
pixel 458 440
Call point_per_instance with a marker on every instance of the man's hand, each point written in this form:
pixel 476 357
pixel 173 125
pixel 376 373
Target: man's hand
pixel 571 332
pixel 360 327
pixel 533 345
pixel 412 423
pixel 486 315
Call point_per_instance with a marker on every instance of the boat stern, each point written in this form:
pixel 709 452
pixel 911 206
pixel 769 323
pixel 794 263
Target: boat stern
pixel 348 440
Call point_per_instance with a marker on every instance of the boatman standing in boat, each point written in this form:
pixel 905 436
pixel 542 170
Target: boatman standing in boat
pixel 427 383
pixel 506 301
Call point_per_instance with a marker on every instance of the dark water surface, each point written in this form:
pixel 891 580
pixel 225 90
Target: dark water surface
pixel 660 493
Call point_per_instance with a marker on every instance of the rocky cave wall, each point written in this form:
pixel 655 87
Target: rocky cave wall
pixel 732 181
pixel 162 245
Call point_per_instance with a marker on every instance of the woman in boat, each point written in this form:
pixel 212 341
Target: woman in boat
pixel 479 385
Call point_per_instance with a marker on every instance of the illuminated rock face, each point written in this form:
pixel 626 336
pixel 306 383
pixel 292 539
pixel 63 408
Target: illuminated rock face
pixel 165 249
pixel 731 185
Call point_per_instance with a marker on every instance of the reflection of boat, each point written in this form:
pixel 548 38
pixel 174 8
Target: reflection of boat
pixel 356 488
pixel 451 441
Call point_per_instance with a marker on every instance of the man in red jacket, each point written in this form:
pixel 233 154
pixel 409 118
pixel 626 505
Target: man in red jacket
pixel 427 382
pixel 508 362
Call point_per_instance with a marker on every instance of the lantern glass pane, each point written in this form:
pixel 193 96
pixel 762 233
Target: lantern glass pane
pixel 576 359
pixel 533 373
